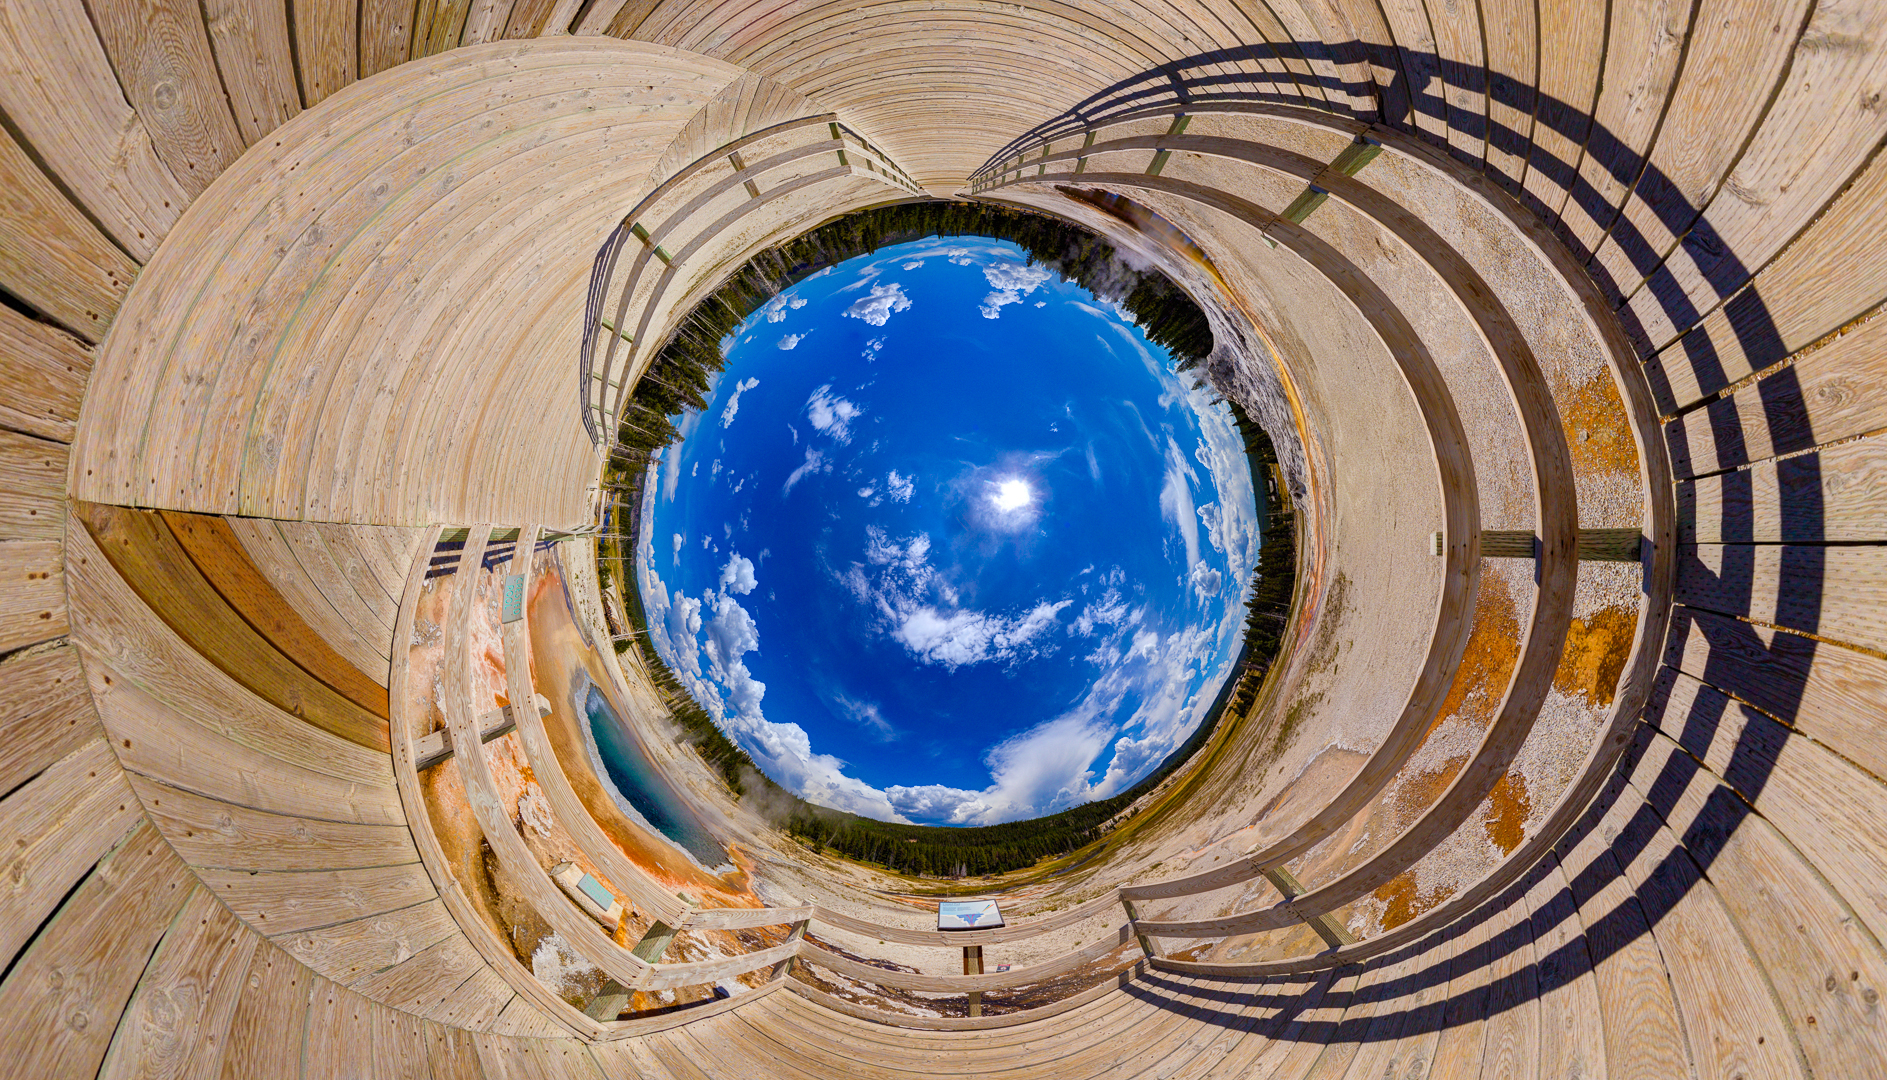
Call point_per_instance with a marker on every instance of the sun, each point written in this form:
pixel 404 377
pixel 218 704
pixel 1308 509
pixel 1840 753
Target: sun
pixel 1012 494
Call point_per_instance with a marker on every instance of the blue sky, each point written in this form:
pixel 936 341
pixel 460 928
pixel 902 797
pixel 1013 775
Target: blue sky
pixel 952 543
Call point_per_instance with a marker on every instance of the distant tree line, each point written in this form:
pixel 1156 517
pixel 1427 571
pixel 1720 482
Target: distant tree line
pixel 1274 582
pixel 679 379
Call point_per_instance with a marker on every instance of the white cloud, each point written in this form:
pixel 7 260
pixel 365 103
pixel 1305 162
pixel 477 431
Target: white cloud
pixel 899 487
pixel 1205 580
pixel 791 341
pixel 914 264
pixel 678 545
pixel 956 638
pixel 733 399
pixel 1176 500
pixel 815 463
pixel 738 575
pixel 871 348
pixel 776 308
pixel 867 715
pixel 877 309
pixel 831 414
pixel 1011 282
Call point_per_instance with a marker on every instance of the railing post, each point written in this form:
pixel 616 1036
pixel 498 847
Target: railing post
pixel 1326 925
pixel 973 965
pixel 1133 920
pixel 785 967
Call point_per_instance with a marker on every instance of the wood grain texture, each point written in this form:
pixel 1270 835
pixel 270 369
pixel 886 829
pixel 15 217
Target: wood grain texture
pixel 32 592
pixel 56 827
pixel 256 62
pixel 267 1029
pixel 218 554
pixel 64 997
pixel 210 832
pixel 30 488
pixel 151 561
pixel 46 713
pixel 161 52
pixel 60 94
pixel 386 35
pixel 177 1024
pixel 42 377
pixel 52 256
pixel 326 46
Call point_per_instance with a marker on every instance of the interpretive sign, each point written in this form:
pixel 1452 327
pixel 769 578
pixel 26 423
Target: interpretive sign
pixel 967 915
pixel 513 598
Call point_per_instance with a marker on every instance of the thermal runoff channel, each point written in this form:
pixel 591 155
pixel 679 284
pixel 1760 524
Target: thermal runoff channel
pixel 952 543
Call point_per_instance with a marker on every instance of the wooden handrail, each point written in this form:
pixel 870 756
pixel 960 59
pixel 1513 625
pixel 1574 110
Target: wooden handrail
pixel 814 953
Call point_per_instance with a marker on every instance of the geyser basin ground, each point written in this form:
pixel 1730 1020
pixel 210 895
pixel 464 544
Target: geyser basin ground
pixel 952 541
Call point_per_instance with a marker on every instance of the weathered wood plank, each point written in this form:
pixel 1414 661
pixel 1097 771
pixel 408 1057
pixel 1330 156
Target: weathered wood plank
pixel 46 713
pixel 52 256
pixel 485 21
pixel 152 739
pixel 256 62
pixel 32 592
pixel 436 983
pixel 282 902
pixel 177 1024
pixel 1821 281
pixel 42 375
pixel 326 44
pixel 218 554
pixel 1571 57
pixel 1837 592
pixel 63 998
pixel 1832 812
pixel 1818 399
pixel 1829 693
pixel 1730 1018
pixel 400 1046
pixel 161 51
pixel 272 554
pixel 1628 969
pixel 340 583
pixel 54 829
pixel 266 1032
pixel 353 952
pixel 340 1033
pixel 208 832
pixel 1736 52
pixel 1818 132
pixel 386 35
pixel 452 1055
pixel 151 561
pixel 1837 494
pixel 1817 959
pixel 114 623
pixel 59 94
pixel 1572 1024
pixel 32 488
pixel 1642 49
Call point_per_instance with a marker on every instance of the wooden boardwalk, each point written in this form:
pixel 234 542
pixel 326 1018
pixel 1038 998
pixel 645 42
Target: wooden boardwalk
pixel 290 288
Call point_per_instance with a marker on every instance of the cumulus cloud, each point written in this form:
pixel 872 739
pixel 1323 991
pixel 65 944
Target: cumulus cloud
pixel 956 638
pixel 899 487
pixel 871 348
pixel 776 308
pixel 733 399
pixel 877 308
pixel 831 414
pixel 791 341
pixel 1011 282
pixel 678 545
pixel 1176 500
pixel 738 575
